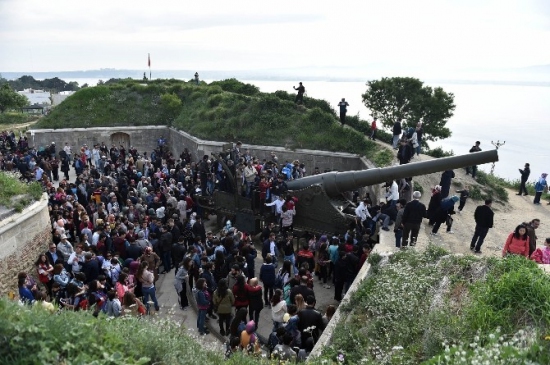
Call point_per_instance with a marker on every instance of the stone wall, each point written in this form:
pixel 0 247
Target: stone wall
pixel 22 237
pixel 334 161
pixel 142 138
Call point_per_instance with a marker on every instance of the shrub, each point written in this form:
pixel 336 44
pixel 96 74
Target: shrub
pixel 438 152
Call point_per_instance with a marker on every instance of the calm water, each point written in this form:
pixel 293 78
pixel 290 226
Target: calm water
pixel 515 114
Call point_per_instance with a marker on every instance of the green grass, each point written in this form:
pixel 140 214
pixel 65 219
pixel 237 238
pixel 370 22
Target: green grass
pixel 11 187
pixel 225 110
pixel 31 335
pixel 423 306
pixel 8 118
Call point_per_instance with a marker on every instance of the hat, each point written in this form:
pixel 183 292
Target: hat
pixel 286 317
pixel 63 236
pixel 53 142
pixel 250 327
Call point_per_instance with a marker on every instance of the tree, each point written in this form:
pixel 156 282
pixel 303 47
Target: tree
pixel 407 99
pixel 9 99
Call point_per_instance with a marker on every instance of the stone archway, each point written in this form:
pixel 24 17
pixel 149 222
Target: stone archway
pixel 120 138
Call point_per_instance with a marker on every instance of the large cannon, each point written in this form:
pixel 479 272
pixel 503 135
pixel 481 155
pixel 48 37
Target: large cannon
pixel 322 206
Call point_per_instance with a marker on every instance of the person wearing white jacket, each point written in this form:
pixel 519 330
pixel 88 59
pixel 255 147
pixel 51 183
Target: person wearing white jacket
pixel 393 194
pixel 278 309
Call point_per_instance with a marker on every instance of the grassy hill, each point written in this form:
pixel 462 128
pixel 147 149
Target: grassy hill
pixel 226 110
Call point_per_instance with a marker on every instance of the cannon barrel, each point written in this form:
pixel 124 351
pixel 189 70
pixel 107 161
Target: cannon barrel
pixel 335 183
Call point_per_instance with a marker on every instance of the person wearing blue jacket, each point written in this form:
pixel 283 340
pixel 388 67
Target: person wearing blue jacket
pixel 24 293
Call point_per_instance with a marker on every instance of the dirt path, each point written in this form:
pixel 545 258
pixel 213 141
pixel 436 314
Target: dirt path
pixel 507 216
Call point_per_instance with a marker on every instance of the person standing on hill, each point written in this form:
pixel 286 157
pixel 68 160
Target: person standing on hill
pixel 373 128
pixel 397 130
pixel 540 186
pixel 343 110
pixel 483 216
pixel 445 183
pixel 413 214
pixel 524 176
pixel 300 95
pixel 473 169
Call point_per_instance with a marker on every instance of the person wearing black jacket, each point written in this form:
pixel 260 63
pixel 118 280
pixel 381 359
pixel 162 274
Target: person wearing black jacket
pixel 483 216
pixel 397 130
pixel 310 324
pixel 166 249
pixel 413 214
pixel 524 176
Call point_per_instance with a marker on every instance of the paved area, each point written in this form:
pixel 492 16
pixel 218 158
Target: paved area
pixel 168 300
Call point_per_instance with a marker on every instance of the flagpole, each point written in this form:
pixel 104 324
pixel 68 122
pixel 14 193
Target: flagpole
pixel 149 64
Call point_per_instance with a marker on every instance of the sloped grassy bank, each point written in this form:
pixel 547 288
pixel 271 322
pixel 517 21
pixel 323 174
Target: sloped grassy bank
pixel 226 110
pixel 32 335
pixel 434 308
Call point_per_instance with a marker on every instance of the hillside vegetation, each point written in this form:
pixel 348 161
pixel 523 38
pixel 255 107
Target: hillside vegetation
pixel 434 308
pixel 226 110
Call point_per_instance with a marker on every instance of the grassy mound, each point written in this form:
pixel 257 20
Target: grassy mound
pixel 226 110
pixel 440 309
pixel 16 194
pixel 9 119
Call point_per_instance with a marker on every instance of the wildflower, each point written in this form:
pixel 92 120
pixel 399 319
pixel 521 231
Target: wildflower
pixel 340 358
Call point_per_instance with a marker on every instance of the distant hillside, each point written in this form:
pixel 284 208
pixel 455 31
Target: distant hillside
pixel 226 110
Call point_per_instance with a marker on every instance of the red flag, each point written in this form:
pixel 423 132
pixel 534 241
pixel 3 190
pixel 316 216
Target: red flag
pixel 149 59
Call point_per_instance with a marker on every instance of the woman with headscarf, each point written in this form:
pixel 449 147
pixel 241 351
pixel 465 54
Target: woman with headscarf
pixel 434 204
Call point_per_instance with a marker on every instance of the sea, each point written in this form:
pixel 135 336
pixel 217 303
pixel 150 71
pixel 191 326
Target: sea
pixel 514 117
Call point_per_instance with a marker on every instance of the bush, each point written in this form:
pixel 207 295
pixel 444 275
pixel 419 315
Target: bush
pixel 32 335
pixel 438 152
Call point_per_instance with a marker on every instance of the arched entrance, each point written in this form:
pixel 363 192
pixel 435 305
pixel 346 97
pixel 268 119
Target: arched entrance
pixel 120 138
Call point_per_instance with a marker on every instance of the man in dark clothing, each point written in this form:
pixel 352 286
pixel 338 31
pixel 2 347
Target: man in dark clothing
pixel 178 251
pixel 405 152
pixel 531 227
pixel 90 268
pixel 312 319
pixel 446 178
pixel 301 289
pixel 199 230
pixel 483 216
pixel 166 249
pixel 397 130
pixel 524 176
pixel 343 110
pixel 413 214
pixel 133 251
pixel 473 169
pixel 300 95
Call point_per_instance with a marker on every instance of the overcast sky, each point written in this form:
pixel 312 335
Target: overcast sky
pixel 396 35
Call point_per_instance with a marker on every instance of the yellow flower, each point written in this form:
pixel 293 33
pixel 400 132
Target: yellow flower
pixel 547 338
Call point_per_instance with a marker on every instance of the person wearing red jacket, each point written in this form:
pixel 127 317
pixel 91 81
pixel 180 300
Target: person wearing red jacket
pixel 517 242
pixel 542 255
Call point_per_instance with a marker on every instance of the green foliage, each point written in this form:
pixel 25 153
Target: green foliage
pixel 438 152
pixel 15 193
pixel 32 335
pixel 406 98
pixel 434 308
pixel 16 118
pixel 55 84
pixel 497 185
pixel 9 99
pixel 171 106
pixel 236 86
pixel 418 187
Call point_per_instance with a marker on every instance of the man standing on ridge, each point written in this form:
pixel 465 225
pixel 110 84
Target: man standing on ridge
pixel 343 110
pixel 473 169
pixel 300 96
pixel 483 216
pixel 524 176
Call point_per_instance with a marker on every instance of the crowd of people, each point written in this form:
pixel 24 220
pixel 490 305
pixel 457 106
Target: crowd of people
pixel 126 218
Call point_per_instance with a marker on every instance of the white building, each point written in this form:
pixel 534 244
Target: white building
pixel 40 97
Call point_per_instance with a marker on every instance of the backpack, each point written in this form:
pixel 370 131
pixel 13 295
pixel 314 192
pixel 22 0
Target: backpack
pixel 539 186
